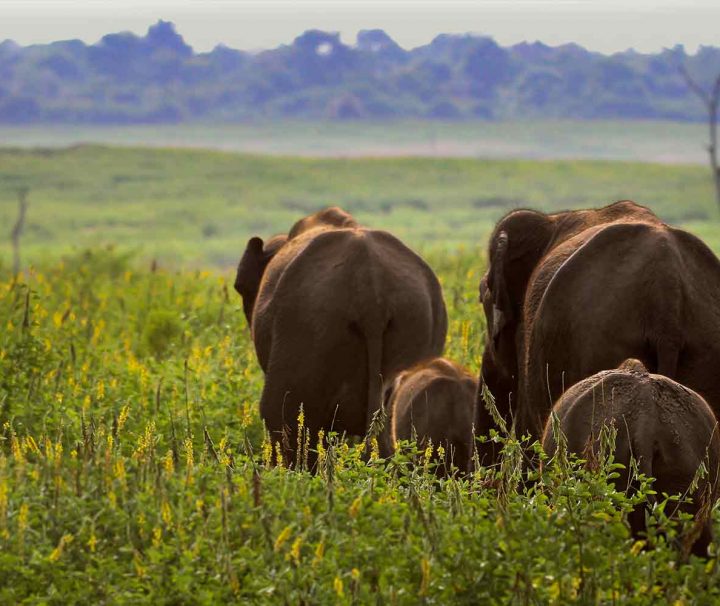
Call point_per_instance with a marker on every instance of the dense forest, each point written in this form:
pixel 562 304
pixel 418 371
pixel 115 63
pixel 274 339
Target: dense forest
pixel 158 78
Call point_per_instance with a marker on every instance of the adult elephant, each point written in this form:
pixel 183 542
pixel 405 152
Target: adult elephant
pixel 336 312
pixel 569 294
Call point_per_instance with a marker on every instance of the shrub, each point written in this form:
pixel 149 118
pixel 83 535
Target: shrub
pixel 162 330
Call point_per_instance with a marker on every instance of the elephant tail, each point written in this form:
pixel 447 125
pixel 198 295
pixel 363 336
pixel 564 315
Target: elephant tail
pixel 374 423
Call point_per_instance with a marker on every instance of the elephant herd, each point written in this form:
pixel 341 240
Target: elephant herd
pixel 594 317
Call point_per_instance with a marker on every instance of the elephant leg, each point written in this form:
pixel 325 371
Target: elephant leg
pixel 701 544
pixel 280 418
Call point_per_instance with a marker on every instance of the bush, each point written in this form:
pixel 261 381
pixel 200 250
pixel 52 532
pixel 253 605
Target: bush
pixel 126 479
pixel 162 330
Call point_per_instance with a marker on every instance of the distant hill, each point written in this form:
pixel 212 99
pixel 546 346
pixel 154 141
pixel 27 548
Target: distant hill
pixel 158 78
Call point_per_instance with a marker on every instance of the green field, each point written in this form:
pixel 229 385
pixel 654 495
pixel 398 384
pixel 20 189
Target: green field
pixel 133 471
pixel 133 465
pixel 639 141
pixel 197 208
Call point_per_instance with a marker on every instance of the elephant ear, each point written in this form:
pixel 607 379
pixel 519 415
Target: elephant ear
pixel 249 271
pixel 249 274
pixel 521 239
pixel 502 305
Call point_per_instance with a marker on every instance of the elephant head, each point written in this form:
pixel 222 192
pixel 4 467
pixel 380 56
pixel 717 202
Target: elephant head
pixel 516 246
pixel 252 267
pixel 333 216
pixel 258 253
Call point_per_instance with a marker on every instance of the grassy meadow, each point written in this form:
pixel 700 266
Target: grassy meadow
pixel 133 470
pixel 197 208
pixel 133 464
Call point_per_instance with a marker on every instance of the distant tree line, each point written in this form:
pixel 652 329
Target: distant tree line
pixel 158 78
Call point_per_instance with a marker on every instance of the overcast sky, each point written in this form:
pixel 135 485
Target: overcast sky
pixel 609 25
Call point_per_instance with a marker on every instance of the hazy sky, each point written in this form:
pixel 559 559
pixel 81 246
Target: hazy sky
pixel 609 25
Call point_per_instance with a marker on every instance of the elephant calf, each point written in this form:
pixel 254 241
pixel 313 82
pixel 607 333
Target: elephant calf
pixel 435 402
pixel 666 427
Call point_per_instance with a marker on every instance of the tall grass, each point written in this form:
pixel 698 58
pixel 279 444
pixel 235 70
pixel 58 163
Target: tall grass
pixel 134 469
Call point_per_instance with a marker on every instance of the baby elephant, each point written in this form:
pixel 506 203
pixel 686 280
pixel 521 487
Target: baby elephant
pixel 666 427
pixel 435 401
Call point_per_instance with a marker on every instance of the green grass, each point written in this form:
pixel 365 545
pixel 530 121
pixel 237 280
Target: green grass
pixel 133 466
pixel 133 471
pixel 197 208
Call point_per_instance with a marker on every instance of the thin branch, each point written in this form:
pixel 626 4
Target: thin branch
pixel 18 228
pixel 711 100
pixel 714 98
pixel 695 87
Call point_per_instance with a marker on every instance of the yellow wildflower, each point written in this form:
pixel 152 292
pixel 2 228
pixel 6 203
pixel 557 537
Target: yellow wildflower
pixel 31 445
pixel 189 460
pixel 321 447
pixel 355 506
pixel 3 501
pixel 637 547
pixel 425 580
pixel 137 562
pixel 16 449
pixel 294 554
pixel 97 331
pixel 282 537
pixel 189 454
pixel 169 462
pixel 120 472
pixel 23 516
pixel 338 587
pixel 319 553
pixel 301 417
pixel 58 551
pixel 428 451
pixel 374 449
pixel 123 417
pixel 465 336
pixel 166 513
pixel 279 455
